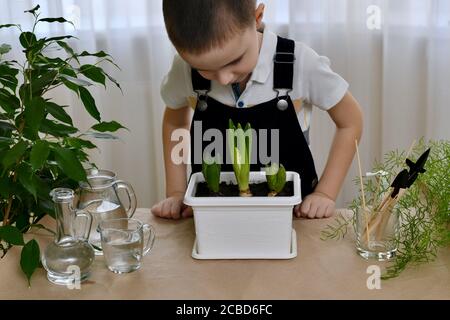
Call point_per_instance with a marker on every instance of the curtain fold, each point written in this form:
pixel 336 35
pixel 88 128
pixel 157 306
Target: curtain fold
pixel 399 72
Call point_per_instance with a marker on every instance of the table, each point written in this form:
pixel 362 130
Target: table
pixel 322 270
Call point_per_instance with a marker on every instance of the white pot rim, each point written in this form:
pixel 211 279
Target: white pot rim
pixel 255 176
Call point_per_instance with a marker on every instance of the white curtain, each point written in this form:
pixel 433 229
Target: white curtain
pixel 394 54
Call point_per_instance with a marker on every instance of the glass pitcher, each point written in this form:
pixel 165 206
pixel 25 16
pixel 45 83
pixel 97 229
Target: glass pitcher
pixel 99 196
pixel 69 257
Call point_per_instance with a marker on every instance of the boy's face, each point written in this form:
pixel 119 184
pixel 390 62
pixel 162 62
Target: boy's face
pixel 233 62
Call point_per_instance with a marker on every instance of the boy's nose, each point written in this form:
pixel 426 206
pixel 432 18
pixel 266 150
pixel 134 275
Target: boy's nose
pixel 224 78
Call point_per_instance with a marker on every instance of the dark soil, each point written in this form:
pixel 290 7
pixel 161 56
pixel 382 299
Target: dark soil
pixel 232 190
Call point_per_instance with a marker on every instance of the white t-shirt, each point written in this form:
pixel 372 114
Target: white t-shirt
pixel 314 83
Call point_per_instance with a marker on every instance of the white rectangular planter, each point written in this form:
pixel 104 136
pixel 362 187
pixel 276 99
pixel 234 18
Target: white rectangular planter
pixel 243 227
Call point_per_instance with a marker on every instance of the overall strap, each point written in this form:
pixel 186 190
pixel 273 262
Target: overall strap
pixel 283 73
pixel 198 82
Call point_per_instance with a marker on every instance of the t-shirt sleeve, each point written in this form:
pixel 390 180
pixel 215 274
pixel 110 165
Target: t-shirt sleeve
pixel 174 87
pixel 322 86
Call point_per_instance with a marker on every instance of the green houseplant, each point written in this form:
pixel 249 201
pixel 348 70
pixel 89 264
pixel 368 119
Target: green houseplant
pixel 40 147
pixel 424 210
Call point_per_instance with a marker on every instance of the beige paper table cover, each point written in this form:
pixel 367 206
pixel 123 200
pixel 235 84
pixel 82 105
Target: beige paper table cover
pixel 322 270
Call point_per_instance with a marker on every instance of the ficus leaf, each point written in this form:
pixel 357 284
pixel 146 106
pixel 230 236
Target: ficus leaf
pixel 43 81
pixel 58 112
pixel 8 77
pixel 8 101
pixel 79 143
pixel 5 48
pixel 69 164
pixel 26 178
pixel 94 73
pixel 27 39
pixel 14 154
pixel 78 82
pixel 89 103
pixel 60 20
pixel 39 154
pixel 34 114
pixel 12 235
pixel 30 258
pixel 101 135
pixel 59 38
pixel 56 129
pixel 33 11
pixel 9 25
pixel 112 126
pixel 114 81
pixel 68 50
pixel 100 54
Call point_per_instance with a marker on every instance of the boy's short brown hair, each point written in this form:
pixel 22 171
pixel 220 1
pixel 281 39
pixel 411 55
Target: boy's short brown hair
pixel 196 26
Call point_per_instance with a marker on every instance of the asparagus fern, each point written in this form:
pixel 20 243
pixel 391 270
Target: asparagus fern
pixel 424 210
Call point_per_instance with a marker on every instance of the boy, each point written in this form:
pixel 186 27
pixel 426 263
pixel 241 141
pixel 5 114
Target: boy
pixel 227 68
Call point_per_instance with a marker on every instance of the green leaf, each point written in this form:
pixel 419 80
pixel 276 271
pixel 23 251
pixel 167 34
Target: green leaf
pixel 12 235
pixel 276 177
pixel 100 135
pixel 79 143
pixel 39 154
pixel 56 129
pixel 70 164
pixel 8 101
pixel 68 49
pixel 33 11
pixel 78 82
pixel 34 114
pixel 114 81
pixel 9 25
pixel 8 77
pixel 14 154
pixel 100 54
pixel 5 186
pixel 211 173
pixel 5 48
pixel 94 73
pixel 58 112
pixel 45 80
pixel 30 258
pixel 26 178
pixel 59 38
pixel 6 129
pixel 51 20
pixel 89 103
pixel 112 126
pixel 27 39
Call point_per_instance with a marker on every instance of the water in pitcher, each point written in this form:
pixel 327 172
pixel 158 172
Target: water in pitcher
pixel 106 210
pixel 122 251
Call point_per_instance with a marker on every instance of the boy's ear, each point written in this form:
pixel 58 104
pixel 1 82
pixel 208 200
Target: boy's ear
pixel 259 14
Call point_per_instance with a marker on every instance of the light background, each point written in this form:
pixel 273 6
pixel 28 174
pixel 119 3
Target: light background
pixel 399 73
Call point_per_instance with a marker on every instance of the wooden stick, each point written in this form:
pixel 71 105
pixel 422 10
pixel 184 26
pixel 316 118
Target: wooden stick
pixel 362 191
pixel 388 203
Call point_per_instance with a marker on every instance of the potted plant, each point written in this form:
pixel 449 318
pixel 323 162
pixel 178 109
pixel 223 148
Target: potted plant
pixel 423 209
pixel 40 146
pixel 243 214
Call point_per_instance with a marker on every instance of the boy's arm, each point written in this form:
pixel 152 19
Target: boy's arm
pixel 175 173
pixel 348 118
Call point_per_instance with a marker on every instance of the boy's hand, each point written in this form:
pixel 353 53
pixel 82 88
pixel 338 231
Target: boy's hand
pixel 172 208
pixel 316 205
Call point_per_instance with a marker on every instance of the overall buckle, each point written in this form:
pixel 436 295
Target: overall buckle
pixel 284 57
